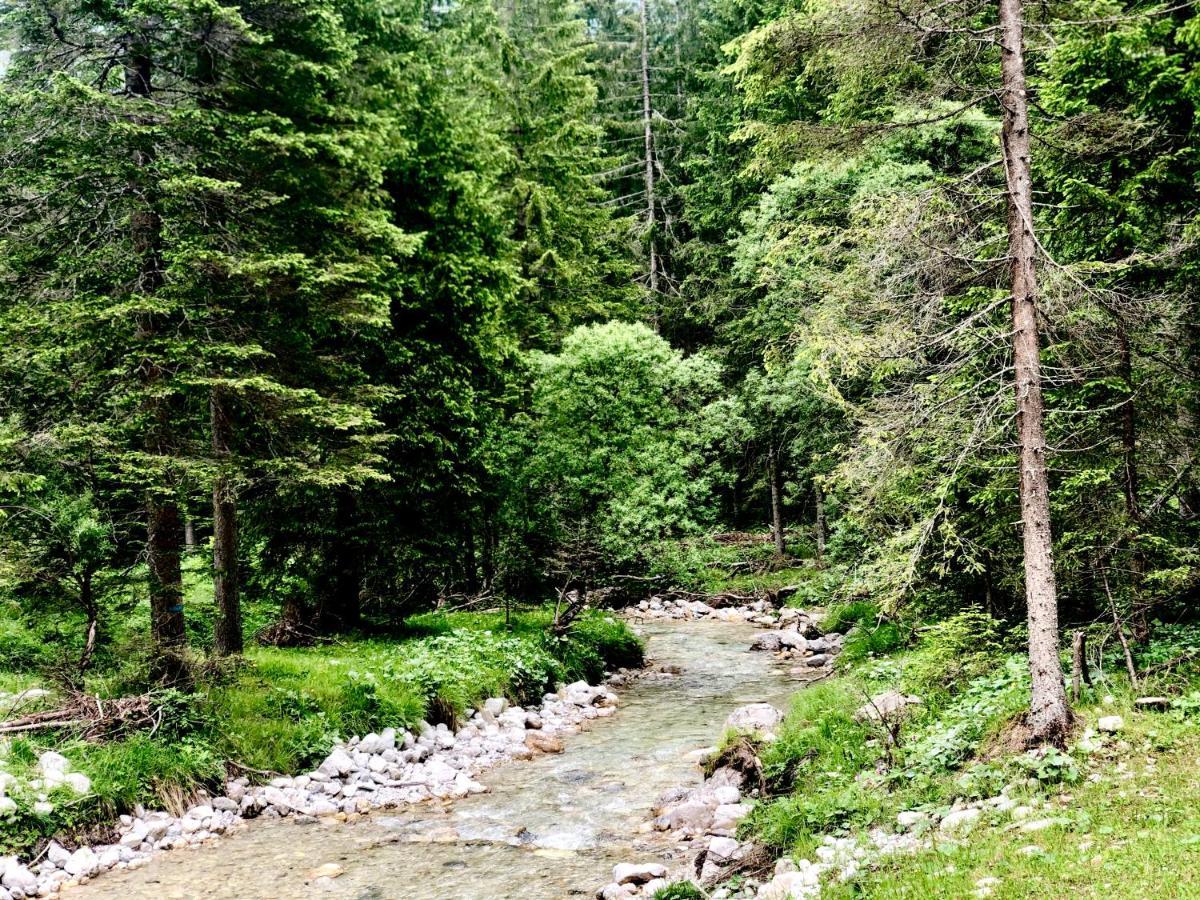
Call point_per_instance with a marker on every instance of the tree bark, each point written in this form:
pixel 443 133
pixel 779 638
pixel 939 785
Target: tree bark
pixel 776 501
pixel 164 530
pixel 819 502
pixel 1049 715
pixel 189 535
pixel 648 129
pixel 227 638
pixel 340 603
pixel 1128 428
pixel 164 541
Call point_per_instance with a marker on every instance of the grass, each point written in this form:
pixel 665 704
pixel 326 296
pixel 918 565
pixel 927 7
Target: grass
pixel 1133 831
pixel 1126 809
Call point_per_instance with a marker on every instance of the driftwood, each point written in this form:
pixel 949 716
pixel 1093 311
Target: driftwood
pixel 92 718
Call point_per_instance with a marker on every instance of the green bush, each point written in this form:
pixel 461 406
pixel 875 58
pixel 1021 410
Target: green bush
pixel 872 639
pixel 954 651
pixel 841 617
pixel 680 890
pixel 614 642
pixel 20 649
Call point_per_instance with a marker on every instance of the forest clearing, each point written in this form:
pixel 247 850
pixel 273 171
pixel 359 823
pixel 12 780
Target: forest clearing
pixel 640 449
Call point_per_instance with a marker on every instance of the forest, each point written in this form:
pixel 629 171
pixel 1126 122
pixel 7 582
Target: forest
pixel 372 368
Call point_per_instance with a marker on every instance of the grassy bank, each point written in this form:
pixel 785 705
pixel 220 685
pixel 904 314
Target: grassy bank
pixel 280 710
pixel 1114 815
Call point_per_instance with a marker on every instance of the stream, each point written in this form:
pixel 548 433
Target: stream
pixel 550 827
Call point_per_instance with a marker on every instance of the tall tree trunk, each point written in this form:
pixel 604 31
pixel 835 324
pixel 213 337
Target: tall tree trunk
pixel 648 129
pixel 164 530
pixel 164 541
pixel 776 501
pixel 1129 474
pixel 819 502
pixel 226 594
pixel 340 603
pixel 189 535
pixel 1049 716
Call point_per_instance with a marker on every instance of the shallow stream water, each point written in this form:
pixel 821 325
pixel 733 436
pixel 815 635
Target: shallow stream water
pixel 551 827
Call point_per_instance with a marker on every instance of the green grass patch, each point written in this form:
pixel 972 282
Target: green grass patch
pixel 1134 831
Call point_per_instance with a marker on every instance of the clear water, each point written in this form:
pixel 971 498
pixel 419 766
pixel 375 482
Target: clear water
pixel 552 827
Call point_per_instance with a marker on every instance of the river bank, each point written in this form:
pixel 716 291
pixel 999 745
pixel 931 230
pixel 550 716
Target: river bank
pixel 545 827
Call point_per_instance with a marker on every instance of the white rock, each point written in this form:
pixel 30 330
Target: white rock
pixel 17 877
pixel 78 782
pixel 887 706
pixel 959 820
pixel 82 862
pixel 495 705
pixel 721 850
pixel 136 834
pixel 755 716
pixel 1110 724
pixel 53 762
pixel 339 762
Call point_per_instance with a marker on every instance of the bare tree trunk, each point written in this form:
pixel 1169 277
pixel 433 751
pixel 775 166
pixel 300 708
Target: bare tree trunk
pixel 340 604
pixel 164 540
pixel 1130 667
pixel 1049 716
pixel 164 531
pixel 648 128
pixel 1079 672
pixel 226 594
pixel 776 501
pixel 819 502
pixel 189 536
pixel 87 599
pixel 1128 428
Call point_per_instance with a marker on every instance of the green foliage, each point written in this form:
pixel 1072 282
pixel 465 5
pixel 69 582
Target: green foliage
pixel 874 639
pixel 954 651
pixel 841 617
pixel 621 448
pixel 820 739
pixel 679 890
pixel 953 733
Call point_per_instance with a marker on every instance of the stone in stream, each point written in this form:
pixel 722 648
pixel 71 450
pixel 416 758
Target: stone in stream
pixel 755 716
pixel 541 742
pixel 638 873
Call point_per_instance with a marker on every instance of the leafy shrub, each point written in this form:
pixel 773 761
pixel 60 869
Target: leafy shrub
pixel 819 736
pixel 1049 766
pixel 956 731
pixel 680 890
pixel 842 617
pixel 462 669
pixel 872 640
pixel 789 821
pixel 20 649
pixel 614 642
pixel 954 651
